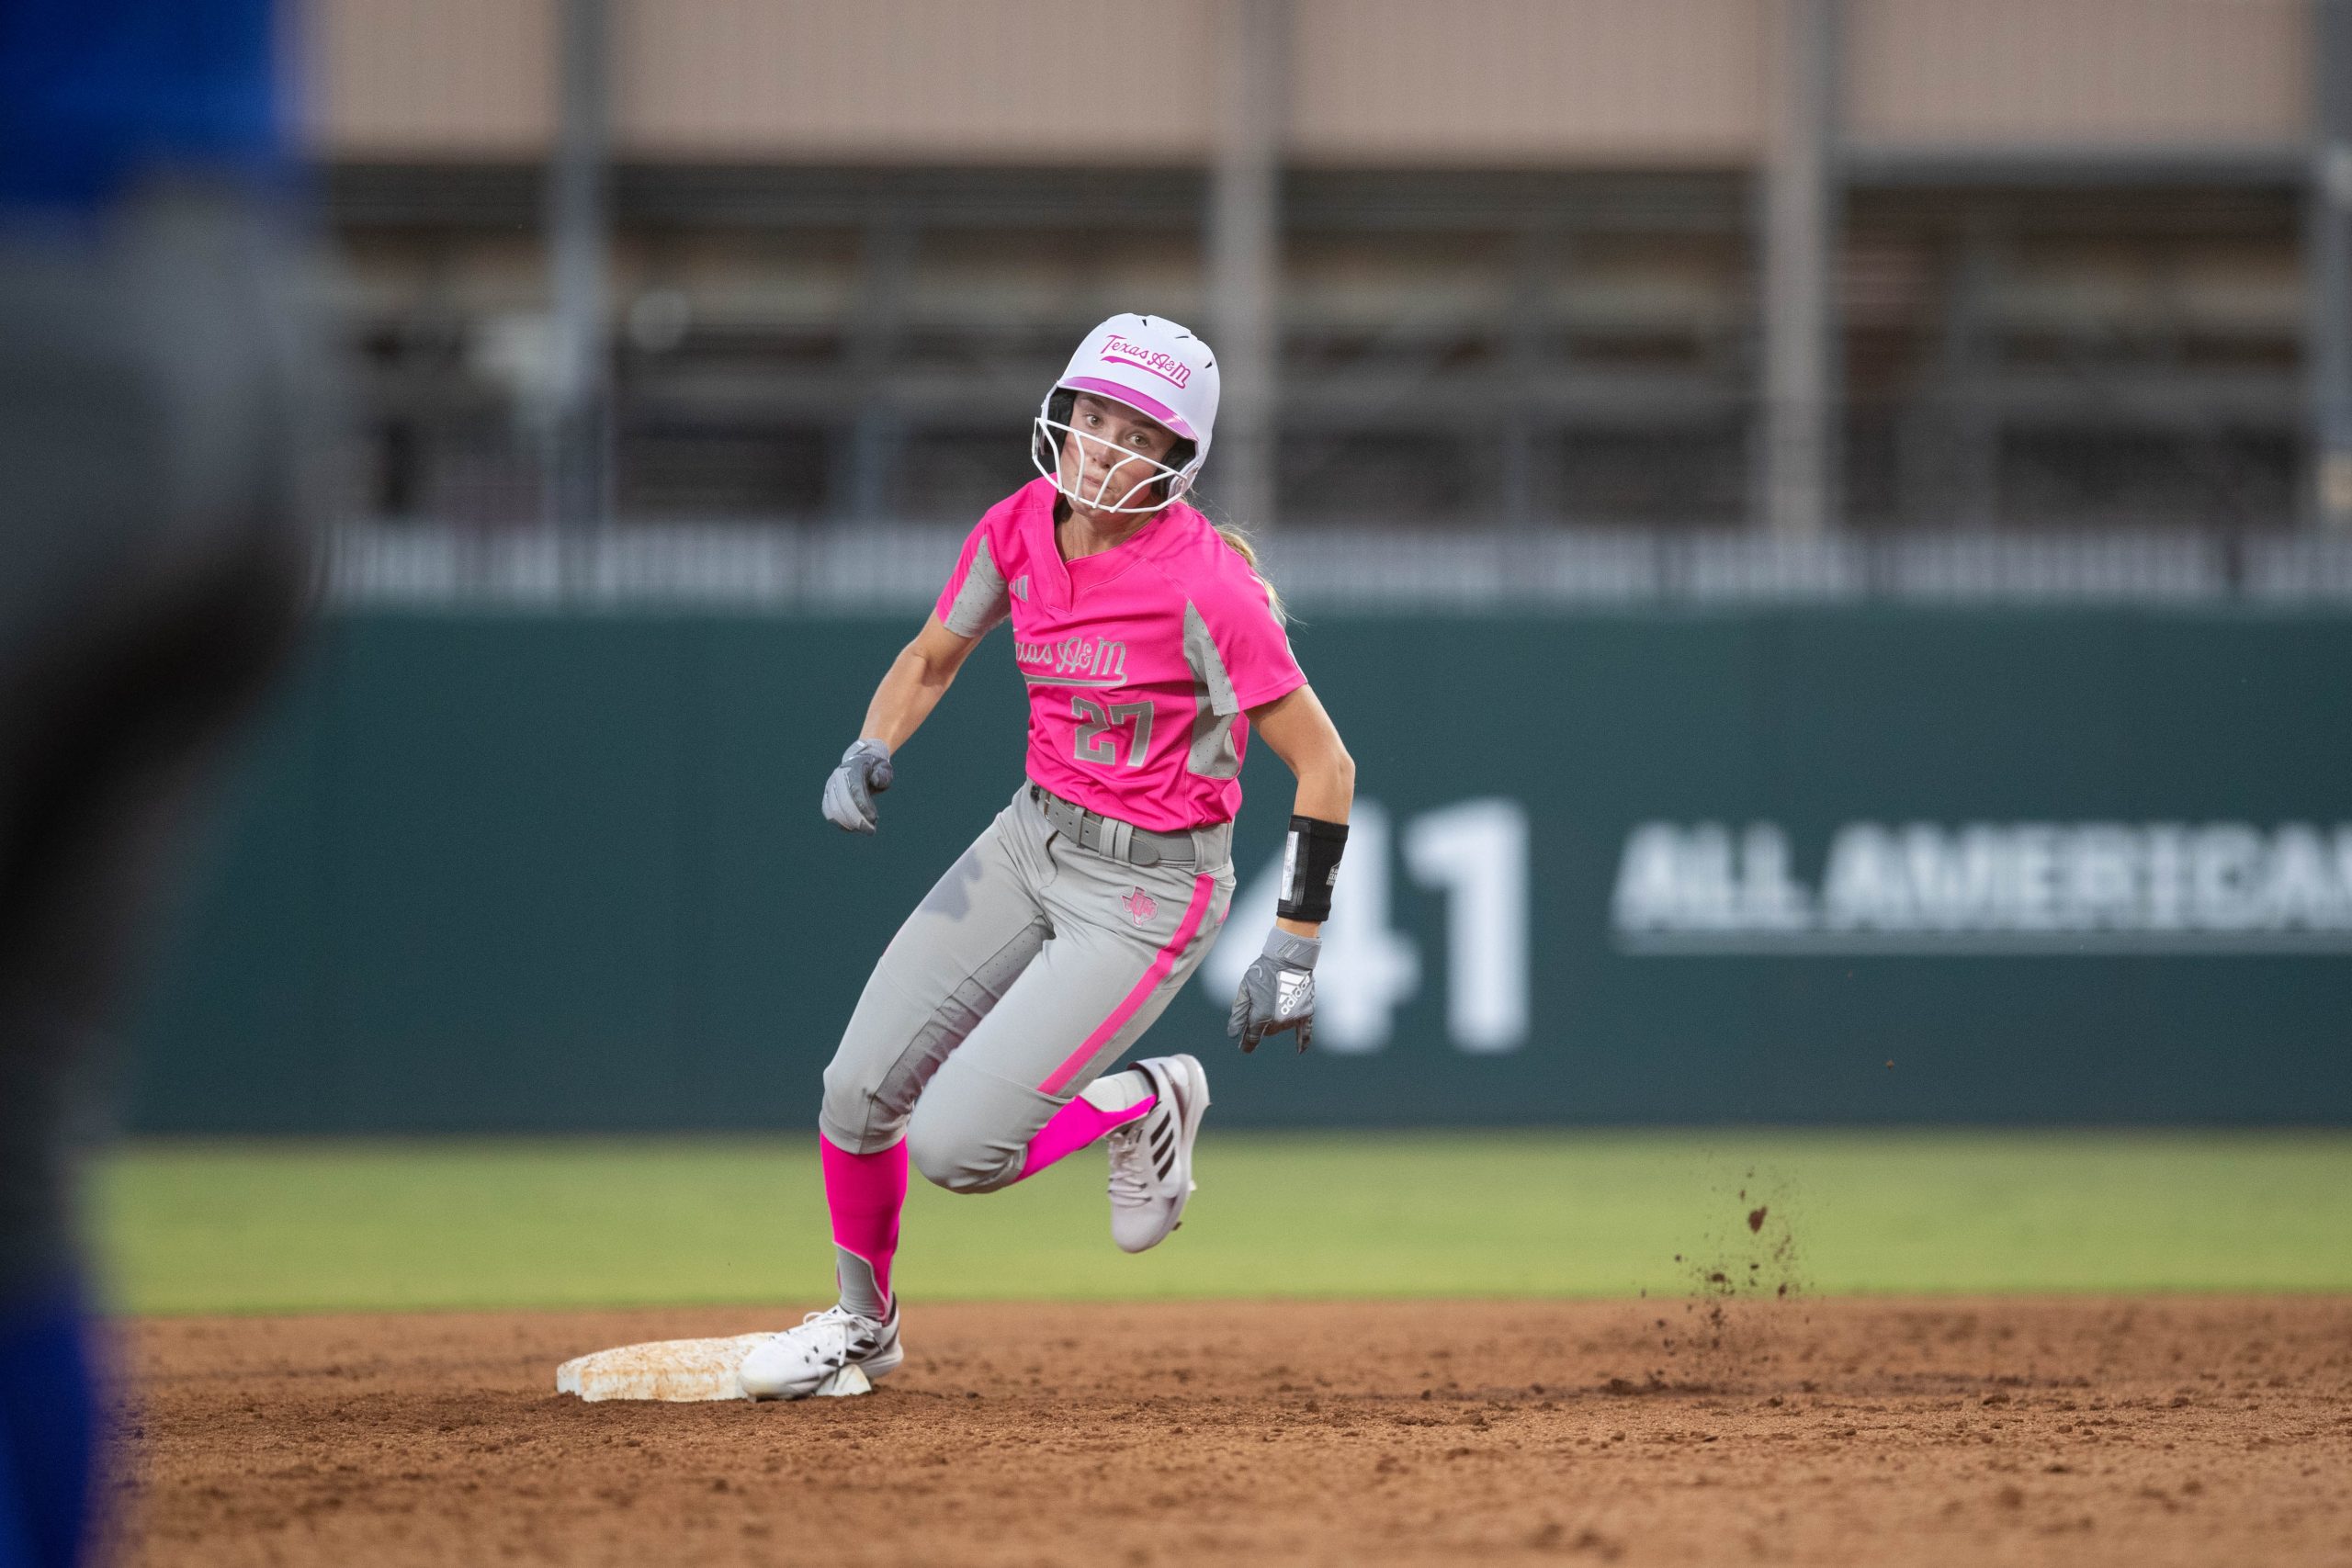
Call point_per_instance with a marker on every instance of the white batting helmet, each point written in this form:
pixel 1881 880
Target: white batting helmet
pixel 1159 369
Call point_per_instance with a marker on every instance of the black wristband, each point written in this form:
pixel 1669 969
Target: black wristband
pixel 1310 865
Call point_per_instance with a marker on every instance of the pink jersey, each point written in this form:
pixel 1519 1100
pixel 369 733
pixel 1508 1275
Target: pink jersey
pixel 1140 660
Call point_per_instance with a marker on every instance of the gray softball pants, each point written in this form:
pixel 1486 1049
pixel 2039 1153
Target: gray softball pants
pixel 1025 972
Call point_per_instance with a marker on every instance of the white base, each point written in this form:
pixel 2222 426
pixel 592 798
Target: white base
pixel 681 1370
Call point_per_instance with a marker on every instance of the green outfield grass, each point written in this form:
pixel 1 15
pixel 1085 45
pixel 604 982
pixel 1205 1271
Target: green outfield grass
pixel 343 1226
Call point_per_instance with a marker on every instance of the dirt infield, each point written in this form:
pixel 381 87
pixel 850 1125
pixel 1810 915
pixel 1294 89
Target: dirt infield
pixel 2164 1431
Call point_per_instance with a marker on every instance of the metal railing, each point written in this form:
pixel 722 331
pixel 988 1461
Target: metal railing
pixel 819 569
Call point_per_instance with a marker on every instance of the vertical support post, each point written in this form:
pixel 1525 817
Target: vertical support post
pixel 579 427
pixel 877 426
pixel 1952 478
pixel 1803 194
pixel 1245 250
pixel 1532 250
pixel 2327 270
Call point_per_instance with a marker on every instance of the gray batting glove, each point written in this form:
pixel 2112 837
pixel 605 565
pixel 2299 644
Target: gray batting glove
pixel 865 773
pixel 1278 992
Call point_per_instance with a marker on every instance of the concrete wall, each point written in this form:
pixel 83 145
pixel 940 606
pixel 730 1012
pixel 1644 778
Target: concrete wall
pixel 1528 81
pixel 1019 81
pixel 1377 81
pixel 2078 73
pixel 430 79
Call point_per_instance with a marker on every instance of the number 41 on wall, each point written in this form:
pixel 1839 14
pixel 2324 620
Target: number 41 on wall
pixel 1474 852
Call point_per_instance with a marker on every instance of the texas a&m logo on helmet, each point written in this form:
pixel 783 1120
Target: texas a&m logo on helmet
pixel 1159 363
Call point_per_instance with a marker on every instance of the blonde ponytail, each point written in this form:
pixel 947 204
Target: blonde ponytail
pixel 1235 537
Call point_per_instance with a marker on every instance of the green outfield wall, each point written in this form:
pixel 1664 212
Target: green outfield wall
pixel 1852 865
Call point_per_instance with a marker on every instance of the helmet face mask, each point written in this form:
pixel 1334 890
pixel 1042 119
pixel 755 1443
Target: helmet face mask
pixel 1159 371
pixel 1134 483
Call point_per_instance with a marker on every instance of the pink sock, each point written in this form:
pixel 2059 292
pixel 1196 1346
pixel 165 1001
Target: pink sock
pixel 865 1193
pixel 1074 1126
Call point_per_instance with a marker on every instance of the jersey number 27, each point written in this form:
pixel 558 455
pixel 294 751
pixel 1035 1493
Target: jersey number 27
pixel 1094 719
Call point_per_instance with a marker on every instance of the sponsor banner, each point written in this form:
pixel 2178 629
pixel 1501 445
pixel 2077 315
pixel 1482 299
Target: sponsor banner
pixel 2047 888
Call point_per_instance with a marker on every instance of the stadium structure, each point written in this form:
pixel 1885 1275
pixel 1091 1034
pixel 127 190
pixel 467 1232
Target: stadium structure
pixel 1581 299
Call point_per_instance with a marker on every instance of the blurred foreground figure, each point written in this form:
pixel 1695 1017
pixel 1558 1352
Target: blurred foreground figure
pixel 153 562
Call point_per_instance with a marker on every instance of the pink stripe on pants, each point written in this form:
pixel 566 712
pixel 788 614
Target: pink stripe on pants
pixel 1204 886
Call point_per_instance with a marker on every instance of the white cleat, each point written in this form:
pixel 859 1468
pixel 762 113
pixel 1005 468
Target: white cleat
pixel 833 1352
pixel 1151 1157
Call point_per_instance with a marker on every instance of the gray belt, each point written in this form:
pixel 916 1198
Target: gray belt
pixel 1122 841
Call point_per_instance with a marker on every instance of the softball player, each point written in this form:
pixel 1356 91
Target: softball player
pixel 1150 646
